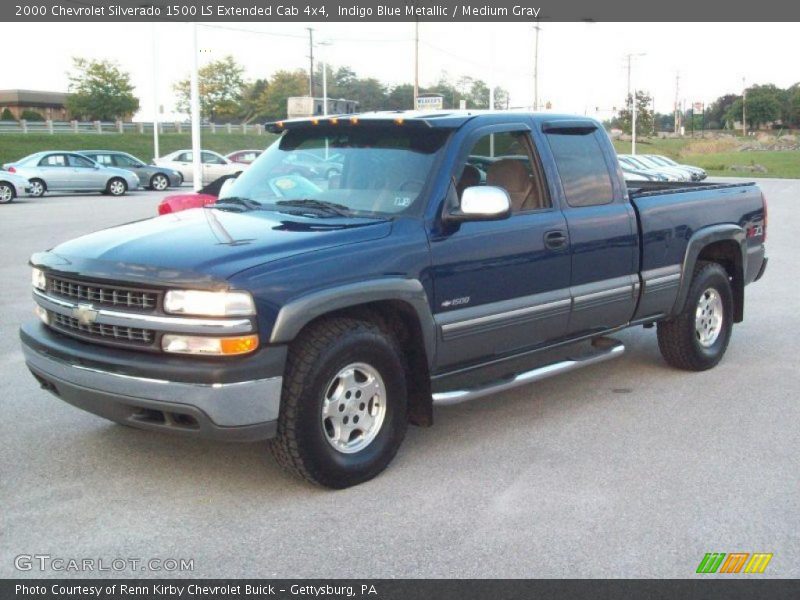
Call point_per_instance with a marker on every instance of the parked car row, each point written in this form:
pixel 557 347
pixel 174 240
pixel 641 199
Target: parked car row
pixel 111 171
pixel 654 167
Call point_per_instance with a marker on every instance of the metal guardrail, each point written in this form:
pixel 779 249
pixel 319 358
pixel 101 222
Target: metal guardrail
pixel 100 127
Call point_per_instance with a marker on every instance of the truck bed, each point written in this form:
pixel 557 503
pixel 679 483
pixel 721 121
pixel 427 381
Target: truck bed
pixel 639 189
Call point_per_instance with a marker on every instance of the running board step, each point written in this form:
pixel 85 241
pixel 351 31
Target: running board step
pixel 603 349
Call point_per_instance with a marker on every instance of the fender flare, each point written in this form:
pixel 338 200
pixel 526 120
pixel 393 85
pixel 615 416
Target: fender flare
pixel 699 240
pixel 297 313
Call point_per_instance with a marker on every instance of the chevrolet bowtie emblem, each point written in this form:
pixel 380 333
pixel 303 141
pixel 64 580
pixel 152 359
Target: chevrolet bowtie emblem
pixel 85 313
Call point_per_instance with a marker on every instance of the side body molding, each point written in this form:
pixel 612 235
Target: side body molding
pixel 297 313
pixel 699 240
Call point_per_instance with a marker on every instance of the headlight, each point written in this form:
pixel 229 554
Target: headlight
pixel 209 346
pixel 209 304
pixel 38 279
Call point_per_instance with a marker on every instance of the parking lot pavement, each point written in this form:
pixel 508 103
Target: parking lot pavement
pixel 628 468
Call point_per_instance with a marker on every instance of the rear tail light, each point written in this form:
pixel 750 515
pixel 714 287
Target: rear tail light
pixel 12 169
pixel 764 199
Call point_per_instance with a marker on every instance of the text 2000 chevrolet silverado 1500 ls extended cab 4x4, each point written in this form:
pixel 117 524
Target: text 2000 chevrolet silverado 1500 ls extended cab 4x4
pixel 456 255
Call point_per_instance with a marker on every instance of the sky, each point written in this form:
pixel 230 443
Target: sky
pixel 582 66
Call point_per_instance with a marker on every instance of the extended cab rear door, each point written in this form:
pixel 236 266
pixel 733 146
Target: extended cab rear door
pixel 604 245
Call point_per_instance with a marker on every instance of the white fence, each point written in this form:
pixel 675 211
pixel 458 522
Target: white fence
pixel 67 127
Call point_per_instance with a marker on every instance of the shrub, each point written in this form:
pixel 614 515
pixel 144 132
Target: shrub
pixel 31 115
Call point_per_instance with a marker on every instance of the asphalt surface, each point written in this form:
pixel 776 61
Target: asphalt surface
pixel 625 469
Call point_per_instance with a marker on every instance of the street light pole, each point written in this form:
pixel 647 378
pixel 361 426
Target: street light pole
pixel 194 103
pixel 416 63
pixel 155 93
pixel 536 69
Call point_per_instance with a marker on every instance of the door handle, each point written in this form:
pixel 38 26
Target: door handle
pixel 555 239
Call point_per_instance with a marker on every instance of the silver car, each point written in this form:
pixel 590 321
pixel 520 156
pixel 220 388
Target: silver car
pixel 12 186
pixel 153 177
pixel 214 165
pixel 70 171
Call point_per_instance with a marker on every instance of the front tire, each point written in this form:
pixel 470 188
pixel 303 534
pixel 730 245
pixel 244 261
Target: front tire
pixel 696 340
pixel 343 411
pixel 116 187
pixel 159 182
pixel 7 193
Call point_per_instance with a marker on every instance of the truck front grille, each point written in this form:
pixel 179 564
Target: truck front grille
pixel 101 332
pixel 103 295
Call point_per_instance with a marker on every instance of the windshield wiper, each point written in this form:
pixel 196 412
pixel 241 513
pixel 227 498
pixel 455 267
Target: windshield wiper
pixel 321 205
pixel 237 202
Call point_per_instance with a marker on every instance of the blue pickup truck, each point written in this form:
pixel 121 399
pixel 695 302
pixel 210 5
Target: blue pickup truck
pixel 453 256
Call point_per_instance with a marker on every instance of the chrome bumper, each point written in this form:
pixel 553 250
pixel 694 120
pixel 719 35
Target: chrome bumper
pixel 240 411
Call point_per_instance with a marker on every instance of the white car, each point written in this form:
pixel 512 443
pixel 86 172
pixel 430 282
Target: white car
pixel 58 171
pixel 697 173
pixel 12 186
pixel 641 164
pixel 214 165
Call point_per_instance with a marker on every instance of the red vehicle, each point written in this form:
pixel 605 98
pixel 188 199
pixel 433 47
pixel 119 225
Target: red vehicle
pixel 207 195
pixel 245 157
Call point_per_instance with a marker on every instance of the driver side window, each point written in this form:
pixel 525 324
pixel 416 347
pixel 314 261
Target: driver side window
pixel 505 159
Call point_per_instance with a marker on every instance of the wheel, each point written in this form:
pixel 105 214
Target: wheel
pixel 38 188
pixel 159 182
pixel 697 338
pixel 343 409
pixel 7 192
pixel 116 187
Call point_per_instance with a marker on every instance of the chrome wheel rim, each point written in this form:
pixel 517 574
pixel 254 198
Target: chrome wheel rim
pixel 708 318
pixel 6 195
pixel 117 188
pixel 160 183
pixel 37 189
pixel 354 408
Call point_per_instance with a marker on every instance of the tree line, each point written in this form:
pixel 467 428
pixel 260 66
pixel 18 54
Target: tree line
pixel 100 90
pixel 764 105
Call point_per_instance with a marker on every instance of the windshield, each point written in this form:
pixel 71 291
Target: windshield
pixel 369 170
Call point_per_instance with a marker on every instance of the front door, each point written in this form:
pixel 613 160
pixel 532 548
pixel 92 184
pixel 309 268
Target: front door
pixel 501 287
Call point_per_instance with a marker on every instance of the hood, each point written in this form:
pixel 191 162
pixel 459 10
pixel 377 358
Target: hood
pixel 202 246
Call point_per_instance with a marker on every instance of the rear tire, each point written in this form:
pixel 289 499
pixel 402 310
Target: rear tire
pixel 698 337
pixel 343 411
pixel 38 188
pixel 7 193
pixel 116 187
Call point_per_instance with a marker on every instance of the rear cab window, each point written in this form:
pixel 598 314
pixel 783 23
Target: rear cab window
pixel 582 167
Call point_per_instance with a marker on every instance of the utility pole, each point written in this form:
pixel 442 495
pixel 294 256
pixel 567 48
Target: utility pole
pixel 633 125
pixel 416 63
pixel 311 61
pixel 744 107
pixel 677 102
pixel 536 28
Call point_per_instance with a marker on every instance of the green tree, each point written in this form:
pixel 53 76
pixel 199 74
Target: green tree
pixel 717 111
pixel 7 116
pixel 220 87
pixel 763 105
pixel 251 108
pixel 31 115
pixel 282 85
pixel 644 114
pixel 100 91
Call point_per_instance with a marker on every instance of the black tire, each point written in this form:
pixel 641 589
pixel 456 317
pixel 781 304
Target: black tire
pixel 159 182
pixel 679 339
pixel 315 358
pixel 116 186
pixel 39 187
pixel 7 193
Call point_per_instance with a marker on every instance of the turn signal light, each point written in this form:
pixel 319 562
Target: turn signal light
pixel 209 346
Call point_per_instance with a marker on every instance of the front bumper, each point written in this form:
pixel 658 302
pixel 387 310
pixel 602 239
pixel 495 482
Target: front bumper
pixel 115 385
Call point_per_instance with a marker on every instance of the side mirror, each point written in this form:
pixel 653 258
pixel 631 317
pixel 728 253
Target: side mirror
pixel 481 203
